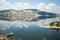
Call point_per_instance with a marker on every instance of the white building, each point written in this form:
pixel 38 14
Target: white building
pixel 25 15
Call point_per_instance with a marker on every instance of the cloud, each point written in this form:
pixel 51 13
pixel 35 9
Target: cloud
pixel 8 5
pixel 50 7
pixel 22 5
pixel 4 25
pixel 41 6
pixel 2 1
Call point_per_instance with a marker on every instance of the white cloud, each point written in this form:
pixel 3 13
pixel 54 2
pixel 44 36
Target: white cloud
pixel 50 7
pixel 2 0
pixel 22 5
pixel 41 6
pixel 7 24
pixel 4 25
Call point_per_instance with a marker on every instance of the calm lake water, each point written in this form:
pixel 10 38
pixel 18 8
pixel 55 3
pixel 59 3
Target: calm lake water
pixel 30 32
pixel 33 33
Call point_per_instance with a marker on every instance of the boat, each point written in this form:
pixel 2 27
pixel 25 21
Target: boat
pixel 6 37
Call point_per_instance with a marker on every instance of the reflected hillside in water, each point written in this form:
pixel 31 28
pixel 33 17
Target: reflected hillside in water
pixel 29 30
pixel 26 15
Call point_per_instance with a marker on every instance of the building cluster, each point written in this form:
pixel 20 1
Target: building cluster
pixel 26 15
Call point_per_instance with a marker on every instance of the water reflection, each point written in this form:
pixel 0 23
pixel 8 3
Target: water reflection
pixel 33 32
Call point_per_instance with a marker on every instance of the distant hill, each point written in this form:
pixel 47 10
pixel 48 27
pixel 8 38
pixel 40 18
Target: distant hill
pixel 43 14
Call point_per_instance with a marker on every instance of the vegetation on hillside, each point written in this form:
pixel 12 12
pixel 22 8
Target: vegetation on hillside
pixel 57 24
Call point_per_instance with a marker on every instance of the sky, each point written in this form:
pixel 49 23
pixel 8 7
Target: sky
pixel 43 5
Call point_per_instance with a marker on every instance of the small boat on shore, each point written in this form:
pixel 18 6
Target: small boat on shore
pixel 6 37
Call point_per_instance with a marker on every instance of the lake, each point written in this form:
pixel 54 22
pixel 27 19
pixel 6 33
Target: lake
pixel 29 30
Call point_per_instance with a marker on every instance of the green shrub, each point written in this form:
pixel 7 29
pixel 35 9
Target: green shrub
pixel 52 24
